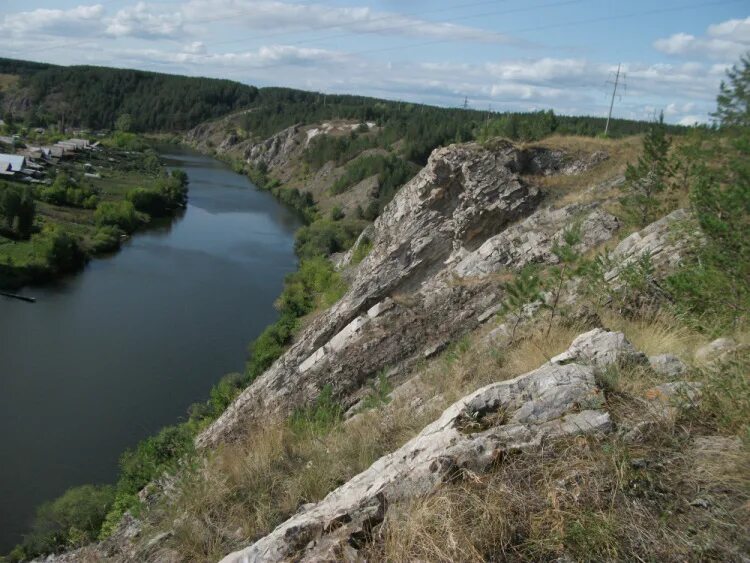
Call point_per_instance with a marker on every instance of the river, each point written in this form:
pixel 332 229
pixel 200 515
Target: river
pixel 109 356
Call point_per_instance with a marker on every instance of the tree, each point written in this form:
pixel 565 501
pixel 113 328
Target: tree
pixel 18 209
pixel 648 178
pixel 124 123
pixel 70 520
pixel 26 212
pixel 520 292
pixel 733 102
pixel 717 279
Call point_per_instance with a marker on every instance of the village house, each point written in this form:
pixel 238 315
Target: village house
pixel 12 163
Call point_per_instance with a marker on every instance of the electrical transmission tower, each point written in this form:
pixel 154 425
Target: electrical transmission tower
pixel 466 102
pixel 619 77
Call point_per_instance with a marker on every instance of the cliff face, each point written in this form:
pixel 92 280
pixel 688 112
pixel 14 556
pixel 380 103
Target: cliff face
pixel 467 214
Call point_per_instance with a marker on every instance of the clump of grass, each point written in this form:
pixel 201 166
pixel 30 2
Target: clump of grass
pixel 379 391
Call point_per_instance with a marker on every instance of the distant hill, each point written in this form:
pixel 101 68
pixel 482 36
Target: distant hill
pixel 93 97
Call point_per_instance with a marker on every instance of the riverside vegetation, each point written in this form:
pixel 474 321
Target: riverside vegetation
pixel 51 230
pixel 588 498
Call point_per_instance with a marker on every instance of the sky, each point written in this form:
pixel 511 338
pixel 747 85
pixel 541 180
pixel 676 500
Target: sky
pixel 501 55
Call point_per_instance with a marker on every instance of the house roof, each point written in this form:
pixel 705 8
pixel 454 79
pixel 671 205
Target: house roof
pixel 16 161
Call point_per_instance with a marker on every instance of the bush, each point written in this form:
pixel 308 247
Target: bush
pixel 120 214
pixel 69 521
pixel 148 201
pixel 715 283
pixel 324 237
pixel 127 141
pixel 363 249
pixel 152 457
pixel 17 208
pixel 59 249
pixel 319 418
pixel 106 239
pixel 168 193
pixel 269 346
pixel 316 284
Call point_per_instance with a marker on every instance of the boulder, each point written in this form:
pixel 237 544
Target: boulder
pixel 600 348
pixel 715 350
pixel 667 399
pixel 667 365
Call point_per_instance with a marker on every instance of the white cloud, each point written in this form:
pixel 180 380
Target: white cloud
pixel 673 108
pixel 195 48
pixel 264 57
pixel 726 41
pixel 732 30
pixel 689 120
pixel 288 16
pixel 139 21
pixel 73 22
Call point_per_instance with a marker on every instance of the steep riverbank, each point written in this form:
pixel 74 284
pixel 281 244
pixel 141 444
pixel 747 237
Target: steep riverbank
pixel 505 334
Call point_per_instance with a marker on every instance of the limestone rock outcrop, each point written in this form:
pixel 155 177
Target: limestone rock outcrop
pixel 403 300
pixel 553 401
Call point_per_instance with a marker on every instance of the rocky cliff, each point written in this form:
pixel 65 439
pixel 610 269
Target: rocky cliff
pixel 467 215
pixel 473 218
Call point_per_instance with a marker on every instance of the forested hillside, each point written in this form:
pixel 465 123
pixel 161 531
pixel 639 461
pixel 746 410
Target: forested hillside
pixel 94 97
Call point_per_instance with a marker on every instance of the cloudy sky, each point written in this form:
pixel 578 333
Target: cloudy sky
pixel 500 54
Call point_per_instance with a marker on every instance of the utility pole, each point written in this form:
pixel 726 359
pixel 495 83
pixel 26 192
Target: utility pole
pixel 612 103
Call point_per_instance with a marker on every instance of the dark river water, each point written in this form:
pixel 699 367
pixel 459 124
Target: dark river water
pixel 111 355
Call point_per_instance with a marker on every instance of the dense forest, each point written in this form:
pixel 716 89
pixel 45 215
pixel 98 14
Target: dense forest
pixel 94 97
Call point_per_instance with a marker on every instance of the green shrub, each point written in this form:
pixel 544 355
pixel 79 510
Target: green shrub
pixel 106 239
pixel 17 208
pixel 324 237
pixel 315 284
pixel 337 213
pixel 380 388
pixel 58 249
pixel 153 456
pixel 361 251
pixel 715 281
pixel 648 178
pixel 269 346
pixel 69 521
pixel 121 214
pixel 124 502
pixel 127 141
pixel 168 193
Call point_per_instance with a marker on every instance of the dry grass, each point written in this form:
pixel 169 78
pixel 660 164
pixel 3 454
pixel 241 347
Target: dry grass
pixel 584 499
pixel 570 189
pixel 246 489
pixel 589 499
pixel 681 493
